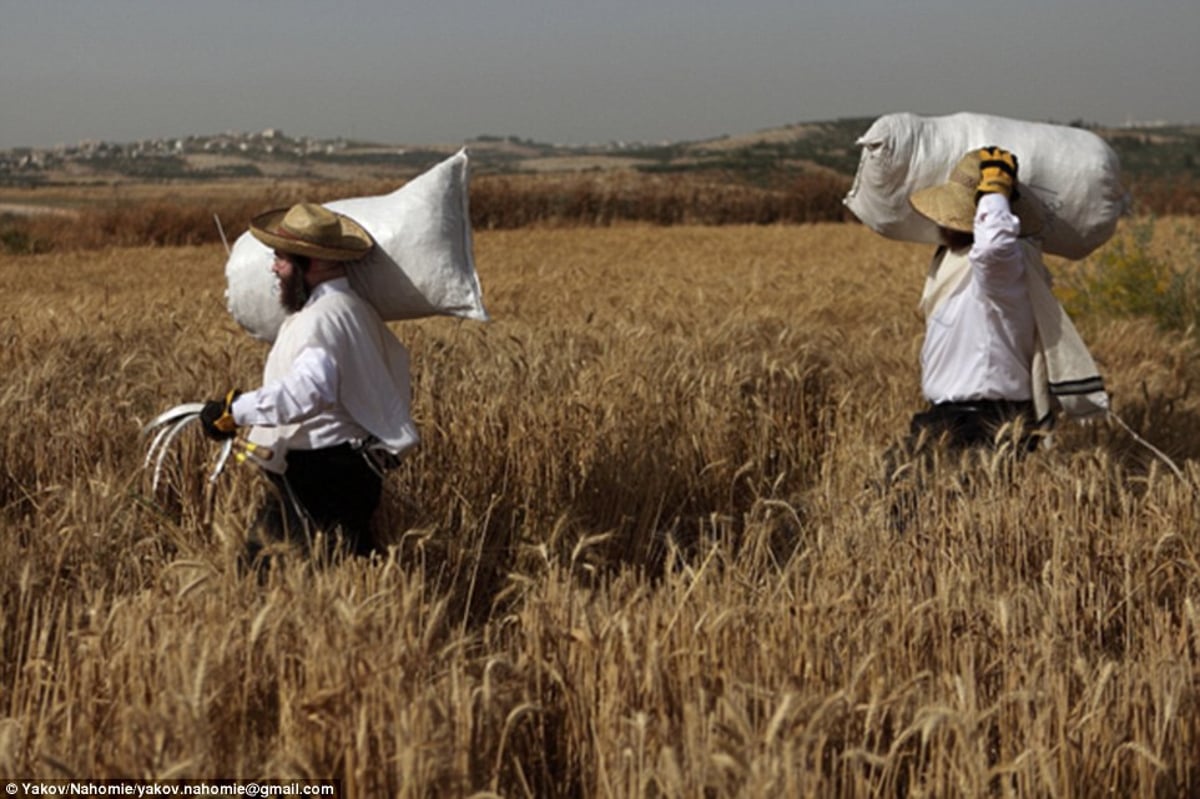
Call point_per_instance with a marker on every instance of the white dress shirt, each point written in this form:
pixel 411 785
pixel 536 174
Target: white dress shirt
pixel 979 342
pixel 336 373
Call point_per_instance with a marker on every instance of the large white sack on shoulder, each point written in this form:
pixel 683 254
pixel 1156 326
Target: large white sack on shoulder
pixel 1074 172
pixel 423 264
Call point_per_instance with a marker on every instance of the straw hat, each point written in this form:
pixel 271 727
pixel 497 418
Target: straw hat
pixel 952 204
pixel 314 231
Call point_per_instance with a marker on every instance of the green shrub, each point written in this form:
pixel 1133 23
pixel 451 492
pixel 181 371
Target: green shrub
pixel 1131 276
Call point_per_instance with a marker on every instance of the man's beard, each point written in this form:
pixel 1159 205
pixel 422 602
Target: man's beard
pixel 292 291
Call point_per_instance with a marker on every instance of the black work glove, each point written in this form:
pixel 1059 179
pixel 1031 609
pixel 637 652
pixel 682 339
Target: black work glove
pixel 997 173
pixel 216 417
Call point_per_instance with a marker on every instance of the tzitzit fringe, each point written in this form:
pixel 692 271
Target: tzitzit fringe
pixel 1162 455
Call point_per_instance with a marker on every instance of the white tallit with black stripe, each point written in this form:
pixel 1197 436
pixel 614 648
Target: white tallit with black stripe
pixel 1064 376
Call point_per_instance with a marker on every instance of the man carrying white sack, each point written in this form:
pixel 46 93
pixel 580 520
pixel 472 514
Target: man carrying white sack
pixel 334 404
pixel 999 348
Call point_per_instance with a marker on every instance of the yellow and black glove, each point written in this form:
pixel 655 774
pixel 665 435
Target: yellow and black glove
pixel 997 173
pixel 217 417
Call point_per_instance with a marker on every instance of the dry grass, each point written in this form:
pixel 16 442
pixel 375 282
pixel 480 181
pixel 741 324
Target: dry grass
pixel 182 214
pixel 635 555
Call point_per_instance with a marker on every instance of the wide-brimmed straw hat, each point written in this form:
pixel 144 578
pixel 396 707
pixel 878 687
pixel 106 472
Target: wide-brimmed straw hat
pixel 314 231
pixel 952 204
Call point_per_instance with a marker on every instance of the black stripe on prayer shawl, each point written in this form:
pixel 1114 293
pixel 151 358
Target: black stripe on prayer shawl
pixel 1084 386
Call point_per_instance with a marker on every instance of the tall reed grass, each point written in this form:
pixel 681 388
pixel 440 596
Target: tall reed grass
pixel 174 217
pixel 637 553
pixel 183 214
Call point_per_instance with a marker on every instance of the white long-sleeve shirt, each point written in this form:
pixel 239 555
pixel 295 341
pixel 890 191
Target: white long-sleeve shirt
pixel 336 373
pixel 979 342
pixel 307 392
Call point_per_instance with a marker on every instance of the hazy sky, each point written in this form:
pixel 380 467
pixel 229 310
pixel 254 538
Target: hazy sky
pixel 565 71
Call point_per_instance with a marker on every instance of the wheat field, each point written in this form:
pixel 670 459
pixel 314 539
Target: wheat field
pixel 638 553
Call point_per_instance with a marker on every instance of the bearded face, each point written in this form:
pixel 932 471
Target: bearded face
pixel 289 272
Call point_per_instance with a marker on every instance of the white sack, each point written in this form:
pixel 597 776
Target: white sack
pixel 1074 172
pixel 424 264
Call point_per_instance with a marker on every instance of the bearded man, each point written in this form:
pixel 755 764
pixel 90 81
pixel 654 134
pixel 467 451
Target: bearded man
pixel 334 404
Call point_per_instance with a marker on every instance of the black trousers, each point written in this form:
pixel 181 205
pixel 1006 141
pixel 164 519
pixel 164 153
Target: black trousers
pixel 959 426
pixel 335 488
pixel 974 424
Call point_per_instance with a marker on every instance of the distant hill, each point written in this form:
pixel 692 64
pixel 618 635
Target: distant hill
pixel 762 157
pixel 1150 151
